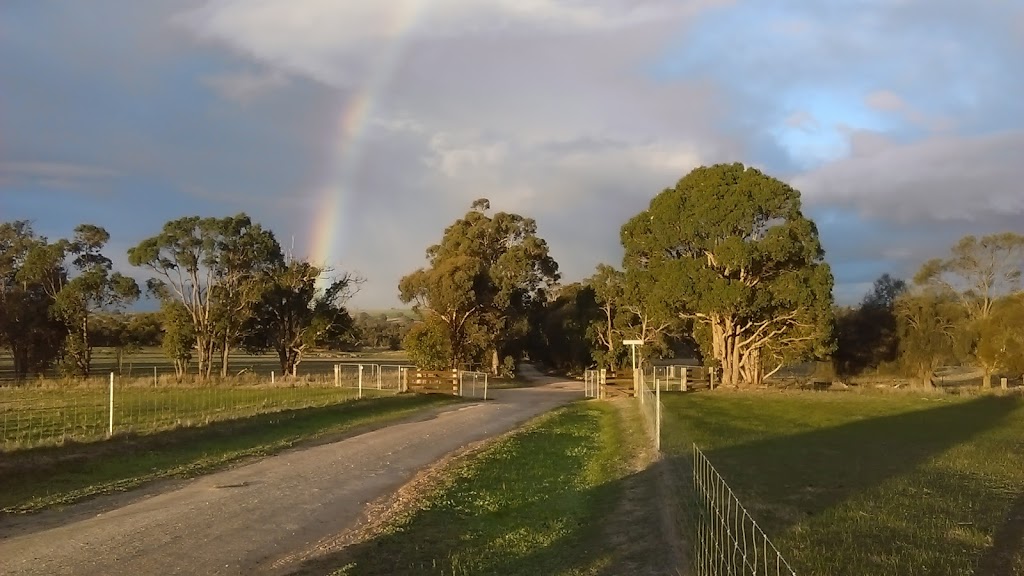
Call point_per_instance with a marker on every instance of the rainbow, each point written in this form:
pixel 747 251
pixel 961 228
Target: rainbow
pixel 333 205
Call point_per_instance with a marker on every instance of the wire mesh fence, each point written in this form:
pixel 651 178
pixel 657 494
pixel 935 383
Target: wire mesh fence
pixel 50 413
pixel 473 384
pixel 592 383
pixel 727 540
pixel 649 395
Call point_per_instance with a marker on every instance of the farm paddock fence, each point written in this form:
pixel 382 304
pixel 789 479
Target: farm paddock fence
pixel 727 540
pixel 48 413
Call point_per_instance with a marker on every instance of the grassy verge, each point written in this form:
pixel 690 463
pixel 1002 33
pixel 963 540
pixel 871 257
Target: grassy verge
pixel 531 503
pixel 864 484
pixel 32 480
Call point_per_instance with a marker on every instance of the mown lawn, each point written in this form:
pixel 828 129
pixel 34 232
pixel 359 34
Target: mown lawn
pixel 532 503
pixel 857 484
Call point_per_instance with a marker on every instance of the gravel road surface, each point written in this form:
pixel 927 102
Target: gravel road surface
pixel 245 520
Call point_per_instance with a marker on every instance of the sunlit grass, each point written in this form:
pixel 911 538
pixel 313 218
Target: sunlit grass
pixel 532 503
pixel 866 484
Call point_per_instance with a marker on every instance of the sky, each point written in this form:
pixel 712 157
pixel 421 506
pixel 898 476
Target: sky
pixel 358 130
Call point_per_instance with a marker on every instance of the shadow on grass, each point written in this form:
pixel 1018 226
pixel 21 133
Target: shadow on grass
pixel 866 499
pixel 813 471
pixel 80 470
pixel 1003 557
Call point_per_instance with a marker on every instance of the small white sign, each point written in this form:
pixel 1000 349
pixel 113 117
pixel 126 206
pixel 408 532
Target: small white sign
pixel 633 342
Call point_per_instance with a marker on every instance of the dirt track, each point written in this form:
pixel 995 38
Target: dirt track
pixel 249 519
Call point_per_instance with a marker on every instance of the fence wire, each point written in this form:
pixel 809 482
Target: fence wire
pixel 727 540
pixel 48 414
pixel 592 383
pixel 649 395
pixel 473 384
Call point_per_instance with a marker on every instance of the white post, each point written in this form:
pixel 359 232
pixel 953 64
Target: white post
pixel 155 381
pixel 682 386
pixel 485 386
pixel 110 427
pixel 462 376
pixel 657 416
pixel 271 376
pixel 1002 383
pixel 638 385
pixel 337 375
pixel 378 377
pixel 360 381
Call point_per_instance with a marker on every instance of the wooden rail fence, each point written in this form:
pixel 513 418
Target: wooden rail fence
pixel 436 381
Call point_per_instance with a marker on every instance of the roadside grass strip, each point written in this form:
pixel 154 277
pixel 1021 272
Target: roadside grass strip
pixel 533 502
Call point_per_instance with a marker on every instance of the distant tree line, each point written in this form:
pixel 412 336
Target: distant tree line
pixel 724 262
pixel 965 309
pixel 222 284
pixel 723 267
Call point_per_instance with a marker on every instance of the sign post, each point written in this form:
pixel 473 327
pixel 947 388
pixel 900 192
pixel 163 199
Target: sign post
pixel 633 344
pixel 636 379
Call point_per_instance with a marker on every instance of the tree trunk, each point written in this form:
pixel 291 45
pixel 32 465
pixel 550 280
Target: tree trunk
pixel 495 362
pixel 225 351
pixel 201 351
pixel 925 376
pixel 986 379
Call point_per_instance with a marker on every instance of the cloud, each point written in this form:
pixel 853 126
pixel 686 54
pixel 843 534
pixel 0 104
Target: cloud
pixel 939 178
pixel 885 100
pixel 242 87
pixel 900 121
pixel 59 175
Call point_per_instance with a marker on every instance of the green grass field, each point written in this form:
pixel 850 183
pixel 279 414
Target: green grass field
pixel 867 484
pixel 148 398
pixel 532 503
pixel 32 416
pixel 41 478
pixel 142 363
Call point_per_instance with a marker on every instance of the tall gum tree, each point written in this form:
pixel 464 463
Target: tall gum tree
pixel 729 248
pixel 27 329
pixel 208 264
pixel 979 272
pixel 486 276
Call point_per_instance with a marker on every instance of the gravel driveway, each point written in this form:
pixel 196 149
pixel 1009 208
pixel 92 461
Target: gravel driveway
pixel 245 520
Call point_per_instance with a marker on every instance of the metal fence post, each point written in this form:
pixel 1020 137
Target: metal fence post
pixel 110 426
pixel 360 394
pixel 657 416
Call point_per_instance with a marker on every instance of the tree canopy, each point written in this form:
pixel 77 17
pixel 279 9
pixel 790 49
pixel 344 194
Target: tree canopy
pixel 480 285
pixel 212 266
pixel 729 248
